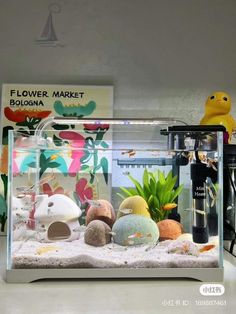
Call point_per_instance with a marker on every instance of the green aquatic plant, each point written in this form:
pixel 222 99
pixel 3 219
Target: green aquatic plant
pixel 159 191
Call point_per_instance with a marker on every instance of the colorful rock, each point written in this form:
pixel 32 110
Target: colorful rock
pixel 101 210
pixel 134 230
pixel 169 229
pixel 136 204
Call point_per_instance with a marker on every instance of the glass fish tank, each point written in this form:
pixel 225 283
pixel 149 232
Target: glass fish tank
pixel 115 198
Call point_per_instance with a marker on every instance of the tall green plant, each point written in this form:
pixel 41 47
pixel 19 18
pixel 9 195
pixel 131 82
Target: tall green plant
pixel 158 190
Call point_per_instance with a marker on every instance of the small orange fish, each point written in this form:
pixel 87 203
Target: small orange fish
pixel 168 206
pixel 206 248
pixel 129 152
pixel 137 235
pixel 185 247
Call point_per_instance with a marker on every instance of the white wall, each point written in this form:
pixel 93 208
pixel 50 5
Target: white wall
pixel 164 57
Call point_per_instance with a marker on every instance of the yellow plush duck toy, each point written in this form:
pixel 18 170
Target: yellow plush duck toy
pixel 217 108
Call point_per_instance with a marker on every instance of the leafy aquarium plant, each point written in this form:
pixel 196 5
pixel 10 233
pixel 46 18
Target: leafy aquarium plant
pixel 158 190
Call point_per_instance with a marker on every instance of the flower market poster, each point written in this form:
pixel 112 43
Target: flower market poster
pixel 41 101
pixel 24 106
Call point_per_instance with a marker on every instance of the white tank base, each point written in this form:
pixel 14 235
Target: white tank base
pixel 30 275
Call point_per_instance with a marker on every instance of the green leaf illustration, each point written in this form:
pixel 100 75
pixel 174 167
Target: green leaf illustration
pixel 104 144
pixel 87 156
pixel 85 168
pixel 104 164
pixel 57 140
pixel 89 142
pixel 53 164
pixel 60 127
pixel 42 159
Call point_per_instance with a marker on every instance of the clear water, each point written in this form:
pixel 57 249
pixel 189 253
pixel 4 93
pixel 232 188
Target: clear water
pixel 85 176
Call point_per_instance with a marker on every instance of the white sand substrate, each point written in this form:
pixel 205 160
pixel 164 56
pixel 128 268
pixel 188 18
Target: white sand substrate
pixel 77 254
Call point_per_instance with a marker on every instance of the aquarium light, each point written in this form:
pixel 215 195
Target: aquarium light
pixel 99 121
pixel 115 121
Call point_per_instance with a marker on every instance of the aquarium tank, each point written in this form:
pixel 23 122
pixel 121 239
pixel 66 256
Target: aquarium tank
pixel 115 198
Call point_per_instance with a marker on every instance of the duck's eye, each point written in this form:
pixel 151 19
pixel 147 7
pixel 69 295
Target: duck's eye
pixel 50 204
pixel 225 98
pixel 212 97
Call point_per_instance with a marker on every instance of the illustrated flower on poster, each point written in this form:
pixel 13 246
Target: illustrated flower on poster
pixel 47 189
pixel 74 110
pixel 52 159
pixel 26 105
pixel 91 150
pixel 4 160
pixel 90 128
pixel 83 193
pixel 26 118
pixel 48 159
pixel 82 190
pixel 99 130
pixel 77 143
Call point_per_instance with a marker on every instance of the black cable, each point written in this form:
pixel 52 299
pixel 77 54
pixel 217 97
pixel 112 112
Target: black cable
pixel 230 178
pixel 234 188
pixel 232 246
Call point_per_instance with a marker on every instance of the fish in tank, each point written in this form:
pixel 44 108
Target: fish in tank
pixel 123 196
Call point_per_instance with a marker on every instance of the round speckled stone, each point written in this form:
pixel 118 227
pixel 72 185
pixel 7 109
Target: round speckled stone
pixel 97 233
pixel 134 230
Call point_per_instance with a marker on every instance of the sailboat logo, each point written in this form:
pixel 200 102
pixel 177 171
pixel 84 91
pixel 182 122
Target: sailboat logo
pixel 48 36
